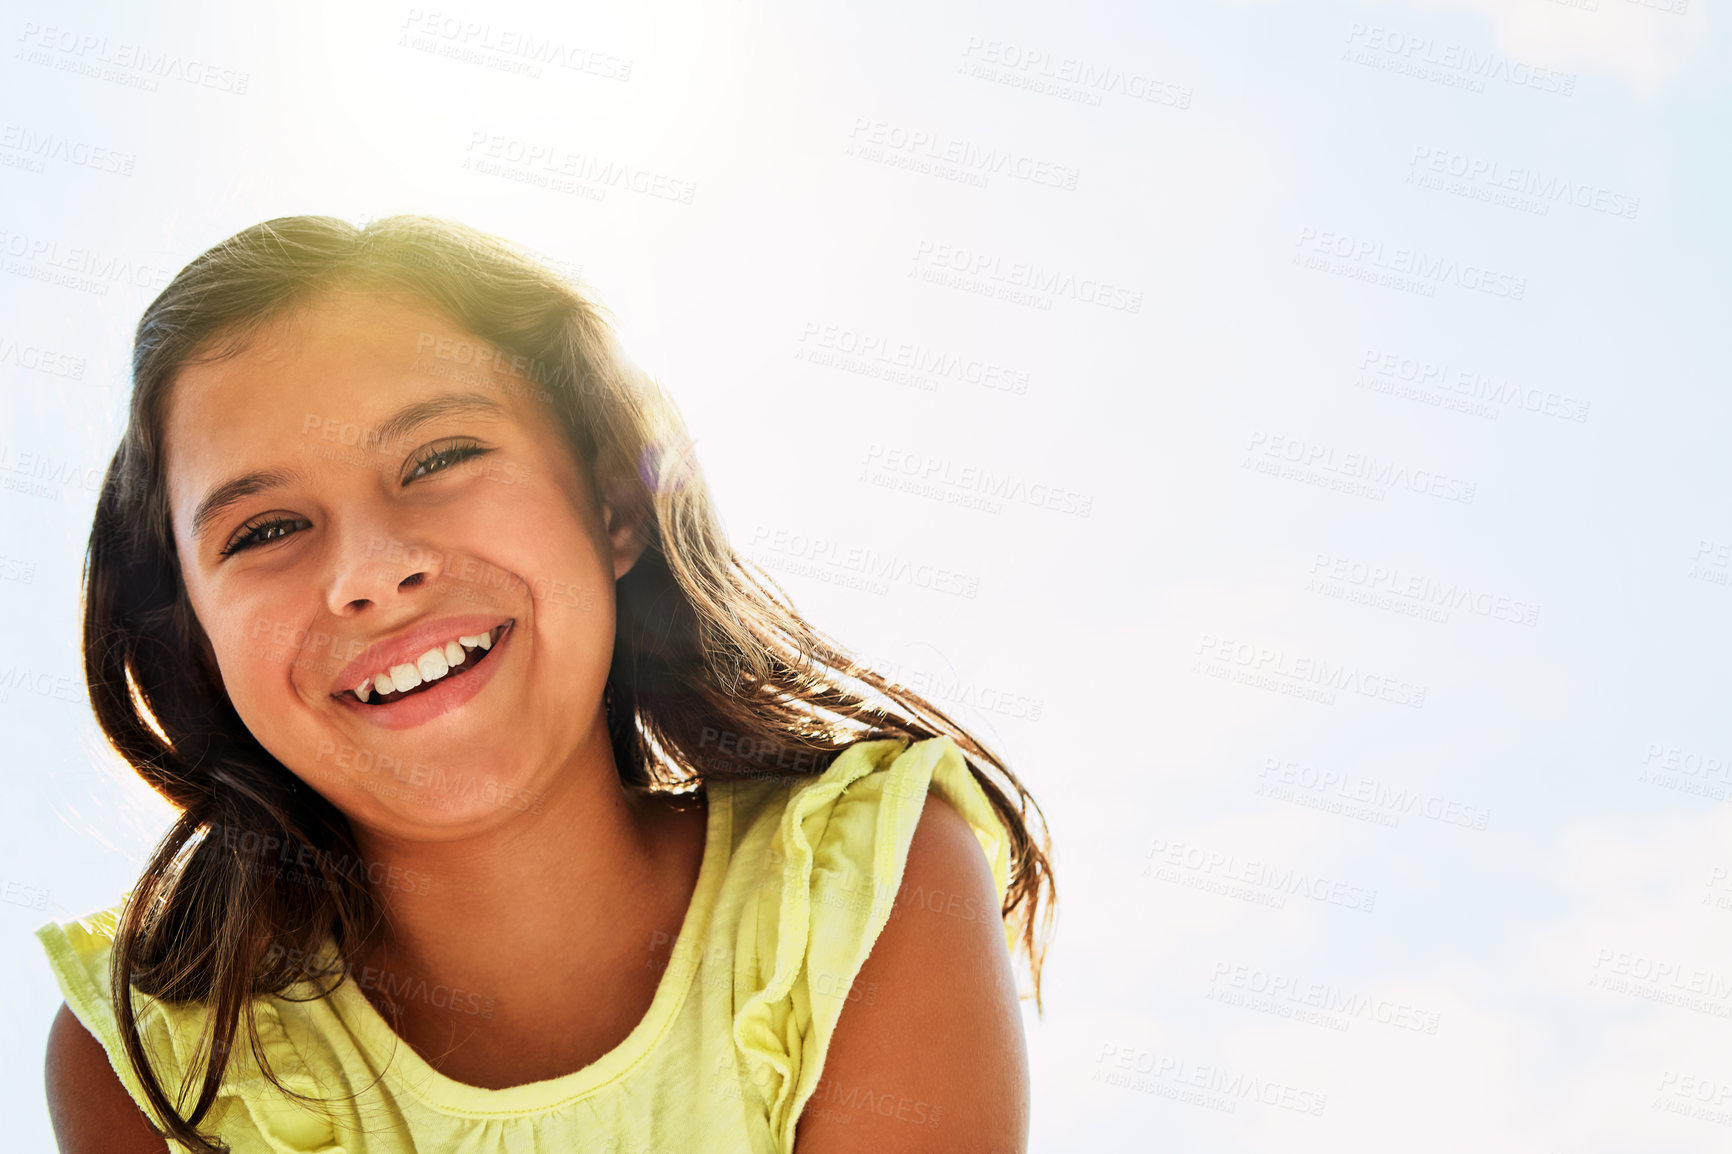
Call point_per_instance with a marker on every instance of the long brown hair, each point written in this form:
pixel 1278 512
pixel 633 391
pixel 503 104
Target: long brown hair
pixel 706 643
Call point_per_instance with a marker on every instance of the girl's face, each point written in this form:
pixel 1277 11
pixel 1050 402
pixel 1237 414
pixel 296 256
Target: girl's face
pixel 359 497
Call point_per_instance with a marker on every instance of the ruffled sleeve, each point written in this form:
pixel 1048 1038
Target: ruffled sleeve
pixel 78 952
pixel 249 1113
pixel 841 845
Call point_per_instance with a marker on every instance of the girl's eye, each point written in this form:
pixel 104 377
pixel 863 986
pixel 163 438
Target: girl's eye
pixel 264 532
pixel 441 459
pixel 276 528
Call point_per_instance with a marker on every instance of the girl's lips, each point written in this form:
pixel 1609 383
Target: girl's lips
pixel 442 697
pixel 409 645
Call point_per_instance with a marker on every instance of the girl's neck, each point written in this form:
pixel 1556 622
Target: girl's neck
pixel 542 914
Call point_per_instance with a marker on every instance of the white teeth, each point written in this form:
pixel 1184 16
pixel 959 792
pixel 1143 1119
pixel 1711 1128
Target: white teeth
pixel 430 666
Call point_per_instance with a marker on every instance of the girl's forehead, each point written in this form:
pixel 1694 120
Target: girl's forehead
pixel 344 351
pixel 342 323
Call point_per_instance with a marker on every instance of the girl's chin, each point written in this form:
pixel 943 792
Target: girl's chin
pixel 397 797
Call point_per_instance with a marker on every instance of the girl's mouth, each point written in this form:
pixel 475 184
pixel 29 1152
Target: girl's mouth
pixel 421 704
pixel 450 662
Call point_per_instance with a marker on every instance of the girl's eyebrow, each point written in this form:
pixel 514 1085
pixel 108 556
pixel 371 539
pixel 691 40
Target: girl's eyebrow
pixel 400 424
pixel 412 416
pixel 235 489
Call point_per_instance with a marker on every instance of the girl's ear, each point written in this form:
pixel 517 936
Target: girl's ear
pixel 625 539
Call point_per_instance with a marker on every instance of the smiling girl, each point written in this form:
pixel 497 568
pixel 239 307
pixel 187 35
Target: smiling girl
pixel 515 812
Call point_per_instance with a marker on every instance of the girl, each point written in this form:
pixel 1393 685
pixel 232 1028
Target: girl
pixel 515 813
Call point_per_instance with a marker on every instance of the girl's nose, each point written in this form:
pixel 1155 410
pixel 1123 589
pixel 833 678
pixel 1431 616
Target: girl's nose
pixel 376 568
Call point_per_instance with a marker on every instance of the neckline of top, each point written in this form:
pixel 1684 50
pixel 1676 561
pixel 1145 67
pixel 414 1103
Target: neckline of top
pixel 410 1071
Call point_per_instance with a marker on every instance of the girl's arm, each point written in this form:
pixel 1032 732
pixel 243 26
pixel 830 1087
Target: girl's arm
pixel 91 1110
pixel 928 1054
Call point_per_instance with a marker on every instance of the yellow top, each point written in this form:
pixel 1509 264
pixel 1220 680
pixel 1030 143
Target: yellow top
pixel 797 881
